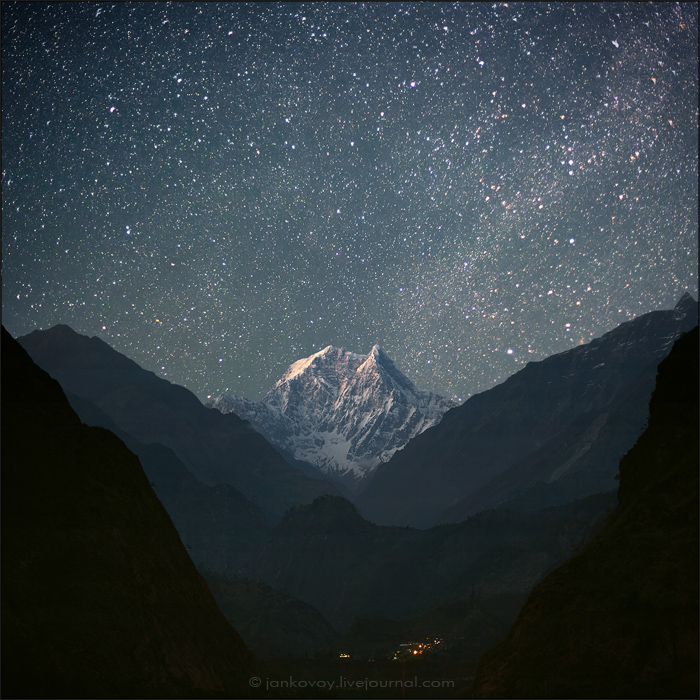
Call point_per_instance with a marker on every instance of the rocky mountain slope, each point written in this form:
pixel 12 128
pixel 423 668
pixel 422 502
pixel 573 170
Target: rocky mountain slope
pixel 99 596
pixel 620 619
pixel 579 391
pixel 215 448
pixel 341 412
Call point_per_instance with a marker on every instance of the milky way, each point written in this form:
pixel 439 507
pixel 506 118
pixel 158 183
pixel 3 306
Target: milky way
pixel 217 190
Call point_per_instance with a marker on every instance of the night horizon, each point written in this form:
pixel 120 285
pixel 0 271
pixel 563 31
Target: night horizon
pixel 219 190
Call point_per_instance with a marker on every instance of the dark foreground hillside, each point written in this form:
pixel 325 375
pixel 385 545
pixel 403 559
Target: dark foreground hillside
pixel 620 619
pixel 99 596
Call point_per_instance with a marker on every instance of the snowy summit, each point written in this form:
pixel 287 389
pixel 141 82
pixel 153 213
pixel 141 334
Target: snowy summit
pixel 341 412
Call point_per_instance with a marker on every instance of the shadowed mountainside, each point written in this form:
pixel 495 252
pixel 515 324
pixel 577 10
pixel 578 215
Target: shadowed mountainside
pixel 215 448
pixel 583 458
pixel 620 619
pixel 495 430
pixel 272 624
pixel 220 527
pixel 99 596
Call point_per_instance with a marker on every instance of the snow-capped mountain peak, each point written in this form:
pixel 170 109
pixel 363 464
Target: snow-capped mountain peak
pixel 341 411
pixel 329 354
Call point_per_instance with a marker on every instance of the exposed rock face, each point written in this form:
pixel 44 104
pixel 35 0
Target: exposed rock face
pixel 341 412
pixel 620 619
pixel 563 406
pixel 100 598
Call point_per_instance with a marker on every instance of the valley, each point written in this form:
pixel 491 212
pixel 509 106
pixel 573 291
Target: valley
pixel 349 350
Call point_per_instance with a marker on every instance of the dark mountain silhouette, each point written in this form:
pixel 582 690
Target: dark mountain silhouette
pixel 99 596
pixel 215 448
pixel 492 432
pixel 220 527
pixel 272 624
pixel 327 555
pixel 620 619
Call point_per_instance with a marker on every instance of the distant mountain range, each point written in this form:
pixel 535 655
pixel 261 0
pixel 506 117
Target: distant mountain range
pixel 506 486
pixel 553 432
pixel 341 412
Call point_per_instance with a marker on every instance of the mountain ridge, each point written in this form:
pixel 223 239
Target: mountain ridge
pixel 220 527
pixel 492 431
pixel 620 618
pixel 326 554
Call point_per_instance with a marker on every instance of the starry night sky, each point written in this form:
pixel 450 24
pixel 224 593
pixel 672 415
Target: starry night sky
pixel 219 189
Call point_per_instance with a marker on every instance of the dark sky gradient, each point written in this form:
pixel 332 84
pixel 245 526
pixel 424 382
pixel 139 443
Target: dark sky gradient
pixel 219 189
